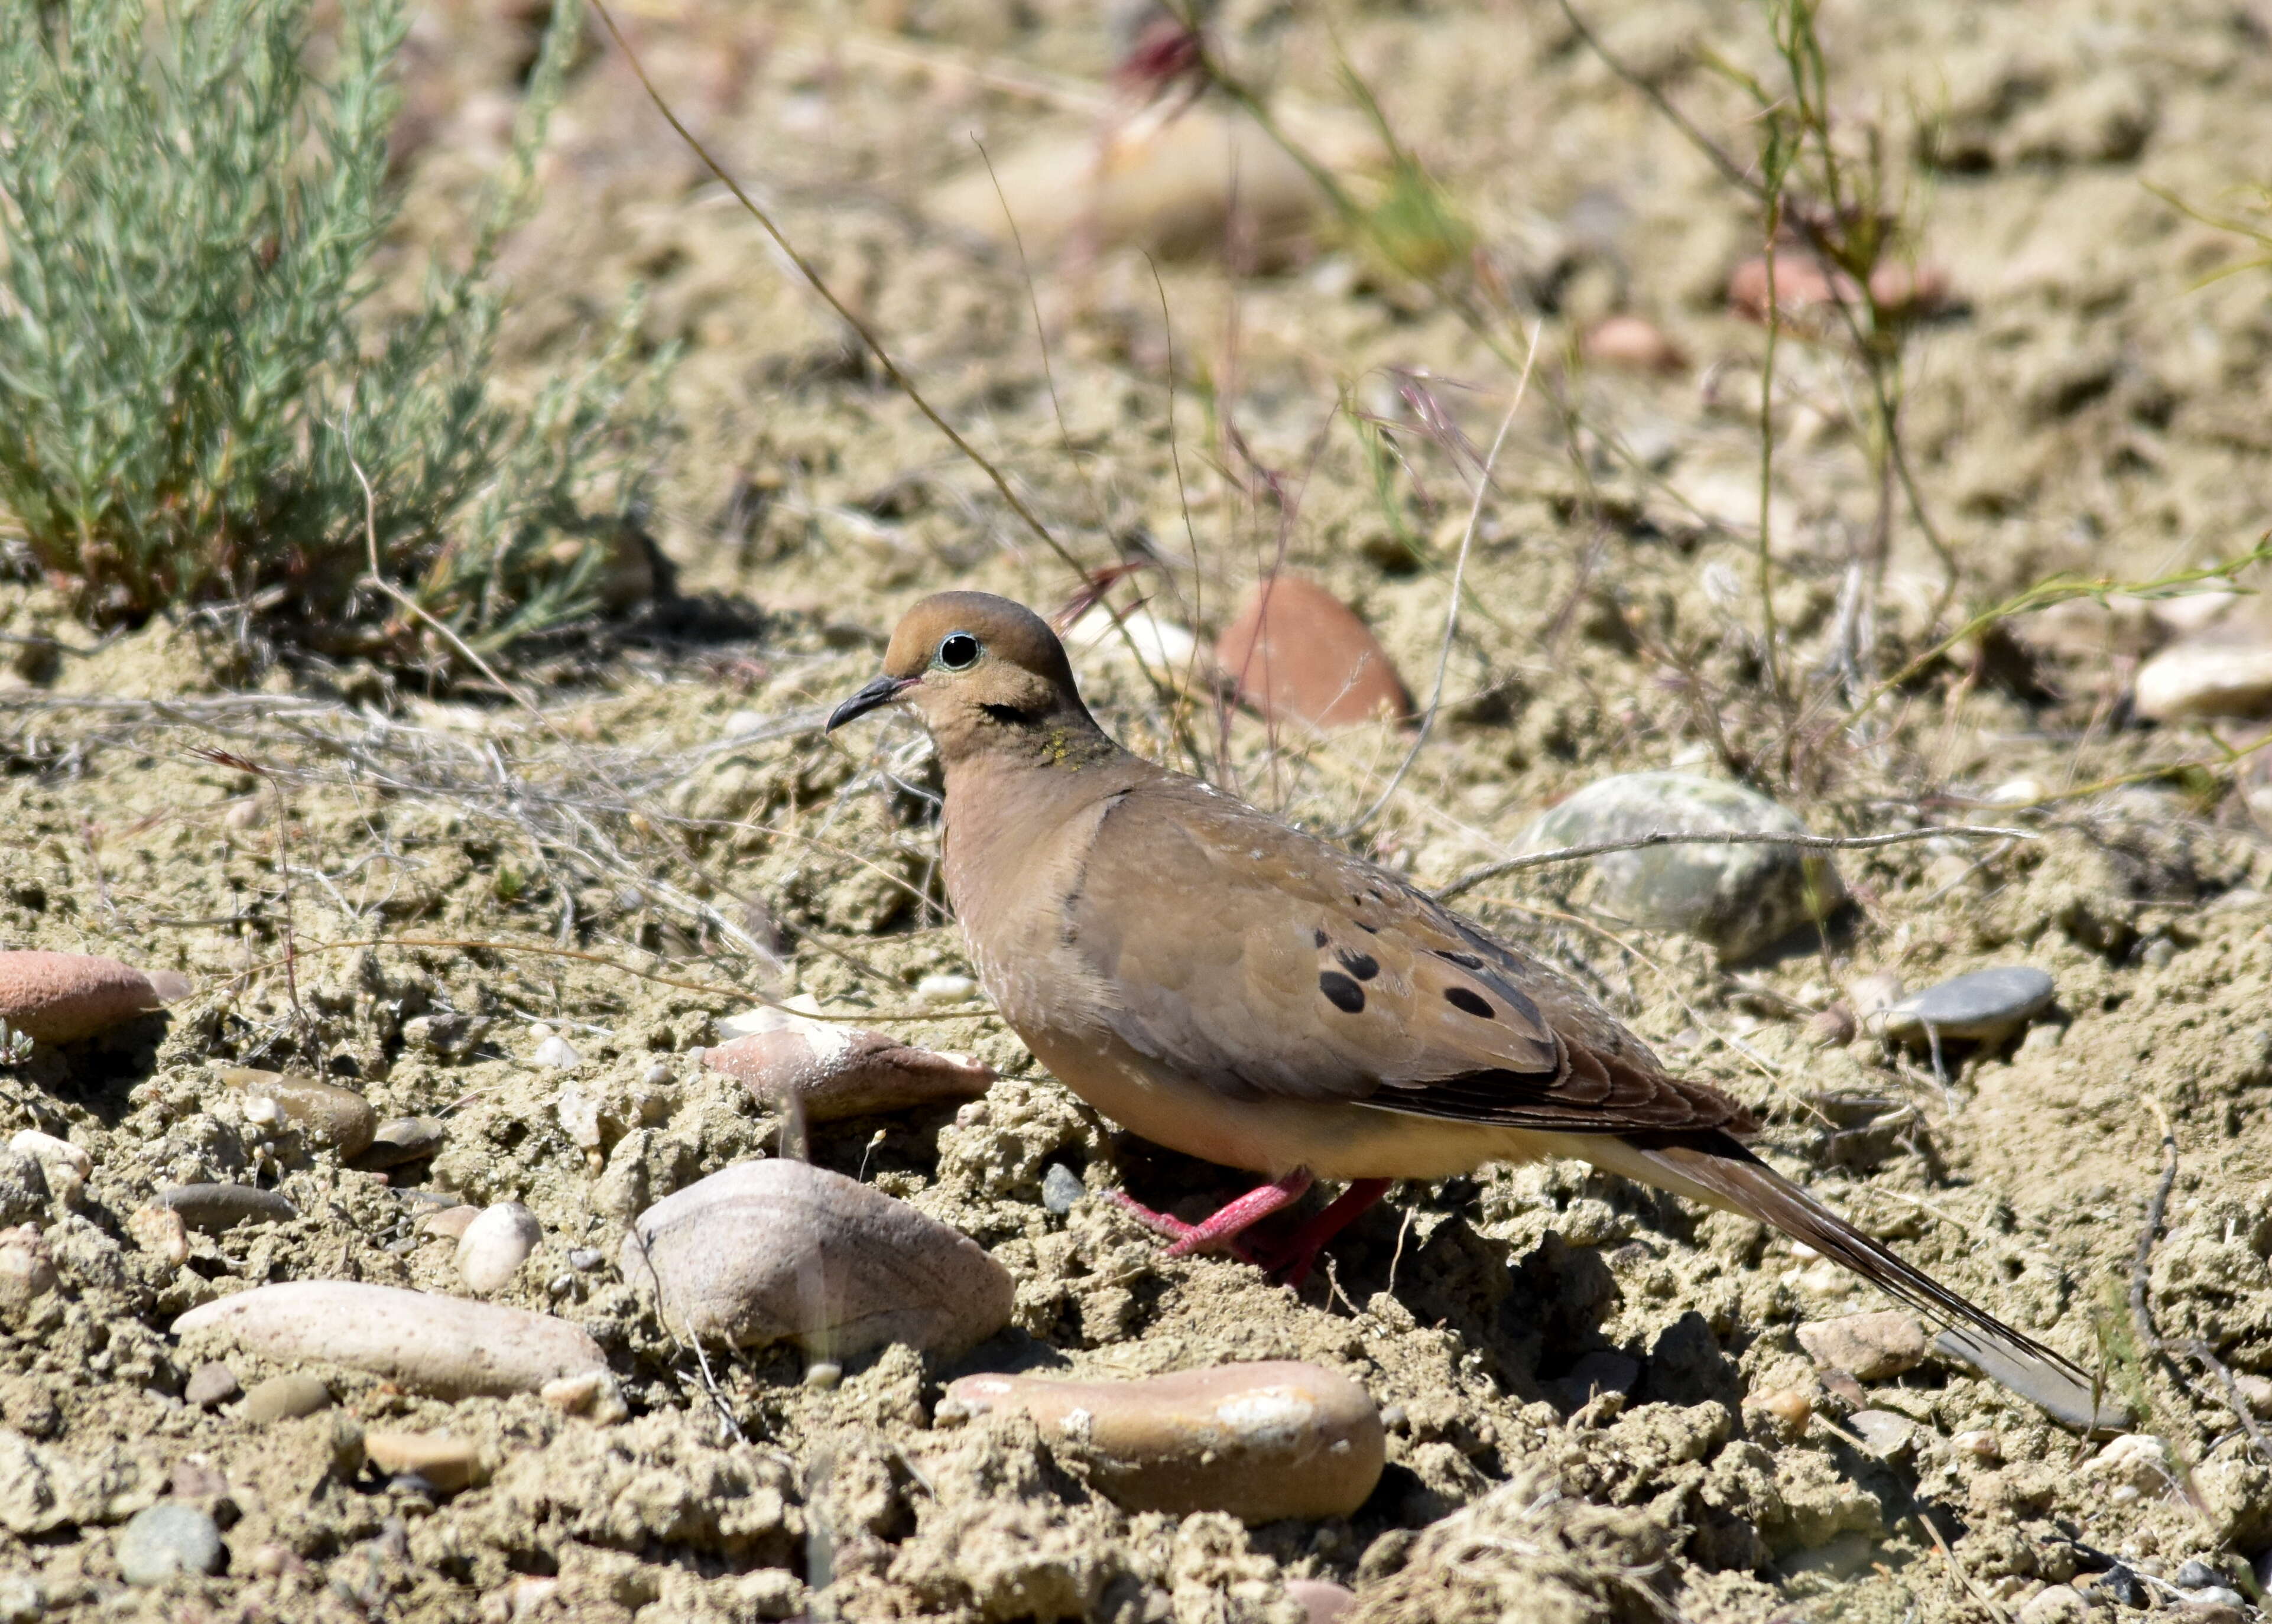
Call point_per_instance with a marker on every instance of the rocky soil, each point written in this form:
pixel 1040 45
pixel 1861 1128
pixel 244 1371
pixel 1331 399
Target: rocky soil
pixel 526 918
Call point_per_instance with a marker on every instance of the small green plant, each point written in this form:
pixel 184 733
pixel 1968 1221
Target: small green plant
pixel 194 401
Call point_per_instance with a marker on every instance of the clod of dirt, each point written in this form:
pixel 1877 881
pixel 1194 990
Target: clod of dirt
pixel 1261 1442
pixel 63 997
pixel 771 1251
pixel 1871 1347
pixel 443 1345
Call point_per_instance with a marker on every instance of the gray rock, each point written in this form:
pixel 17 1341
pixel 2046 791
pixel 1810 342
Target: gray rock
pixel 399 1140
pixel 2206 677
pixel 583 1259
pixel 326 1113
pixel 2216 1596
pixel 286 1398
pixel 210 1384
pixel 1740 899
pixel 1883 1432
pixel 1061 1186
pixel 781 1250
pixel 169 1539
pixel 2196 1575
pixel 1983 1006
pixel 213 1208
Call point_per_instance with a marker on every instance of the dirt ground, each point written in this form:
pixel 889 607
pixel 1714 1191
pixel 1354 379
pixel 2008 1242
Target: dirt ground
pixel 390 888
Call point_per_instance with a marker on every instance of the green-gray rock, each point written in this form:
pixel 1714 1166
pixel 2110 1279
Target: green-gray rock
pixel 167 1539
pixel 284 1398
pixel 1738 899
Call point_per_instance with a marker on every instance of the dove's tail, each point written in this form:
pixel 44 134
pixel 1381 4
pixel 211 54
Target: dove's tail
pixel 1715 1169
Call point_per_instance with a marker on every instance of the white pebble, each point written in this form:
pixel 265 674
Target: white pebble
pixel 539 1031
pixel 558 1053
pixel 495 1244
pixel 944 988
pixel 260 1110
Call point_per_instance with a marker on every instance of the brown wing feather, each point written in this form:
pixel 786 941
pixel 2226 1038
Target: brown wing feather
pixel 1320 976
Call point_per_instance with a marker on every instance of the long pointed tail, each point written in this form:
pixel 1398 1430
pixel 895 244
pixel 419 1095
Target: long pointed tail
pixel 1716 1170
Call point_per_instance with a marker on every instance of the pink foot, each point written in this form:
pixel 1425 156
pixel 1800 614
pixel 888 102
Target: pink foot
pixel 1227 1223
pixel 1291 1261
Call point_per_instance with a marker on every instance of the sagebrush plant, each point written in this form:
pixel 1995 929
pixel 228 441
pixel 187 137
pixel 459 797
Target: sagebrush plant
pixel 189 213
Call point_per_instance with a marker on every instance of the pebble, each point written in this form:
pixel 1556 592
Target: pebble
pixel 1627 340
pixel 2195 1575
pixel 1298 653
pixel 770 1251
pixel 1061 1187
pixel 945 988
pixel 2120 1586
pixel 1321 1600
pixel 286 1398
pixel 399 1140
pixel 557 1053
pixel 161 1232
pixel 583 1259
pixel 1981 1007
pixel 448 1347
pixel 165 1539
pixel 1982 1444
pixel 446 1464
pixel 1738 899
pixel 210 1385
pixel 64 998
pixel 448 1035
pixel 450 1223
pixel 1872 1346
pixel 325 1111
pixel 2255 1392
pixel 1883 1432
pixel 62 1164
pixel 1790 1408
pixel 495 1244
pixel 1833 1027
pixel 210 1208
pixel 838 1071
pixel 1261 1441
pixel 592 1393
pixel 2054 1604
pixel 2205 677
pixel 1170 650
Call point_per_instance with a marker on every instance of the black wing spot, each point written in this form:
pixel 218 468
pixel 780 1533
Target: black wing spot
pixel 1473 1004
pixel 1344 994
pixel 1319 937
pixel 1363 966
pixel 1370 930
pixel 1465 961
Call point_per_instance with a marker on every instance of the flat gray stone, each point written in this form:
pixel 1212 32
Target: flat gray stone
pixel 1981 1007
pixel 1882 1432
pixel 1738 899
pixel 210 1384
pixel 213 1208
pixel 1061 1186
pixel 167 1539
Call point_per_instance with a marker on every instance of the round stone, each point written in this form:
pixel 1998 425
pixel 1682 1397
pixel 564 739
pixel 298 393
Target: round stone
pixel 1981 1007
pixel 169 1539
pixel 210 1384
pixel 286 1398
pixel 2196 1575
pixel 1740 899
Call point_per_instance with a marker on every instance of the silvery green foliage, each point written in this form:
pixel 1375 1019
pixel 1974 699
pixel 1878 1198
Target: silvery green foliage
pixel 190 215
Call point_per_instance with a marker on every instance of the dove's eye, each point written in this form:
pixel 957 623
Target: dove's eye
pixel 958 651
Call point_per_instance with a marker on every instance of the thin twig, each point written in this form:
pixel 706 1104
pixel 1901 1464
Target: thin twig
pixel 1810 843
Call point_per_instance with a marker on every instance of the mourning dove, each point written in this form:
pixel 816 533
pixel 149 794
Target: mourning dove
pixel 1228 985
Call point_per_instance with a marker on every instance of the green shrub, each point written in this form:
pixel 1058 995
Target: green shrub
pixel 189 214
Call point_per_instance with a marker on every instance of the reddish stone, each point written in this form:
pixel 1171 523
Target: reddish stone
pixel 1298 653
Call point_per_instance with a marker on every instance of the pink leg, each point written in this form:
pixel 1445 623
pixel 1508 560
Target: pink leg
pixel 1257 1204
pixel 1291 1261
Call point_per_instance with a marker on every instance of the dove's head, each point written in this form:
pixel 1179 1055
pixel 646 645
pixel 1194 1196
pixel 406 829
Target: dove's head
pixel 981 671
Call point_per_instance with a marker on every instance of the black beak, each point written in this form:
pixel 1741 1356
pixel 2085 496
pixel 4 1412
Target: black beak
pixel 881 691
